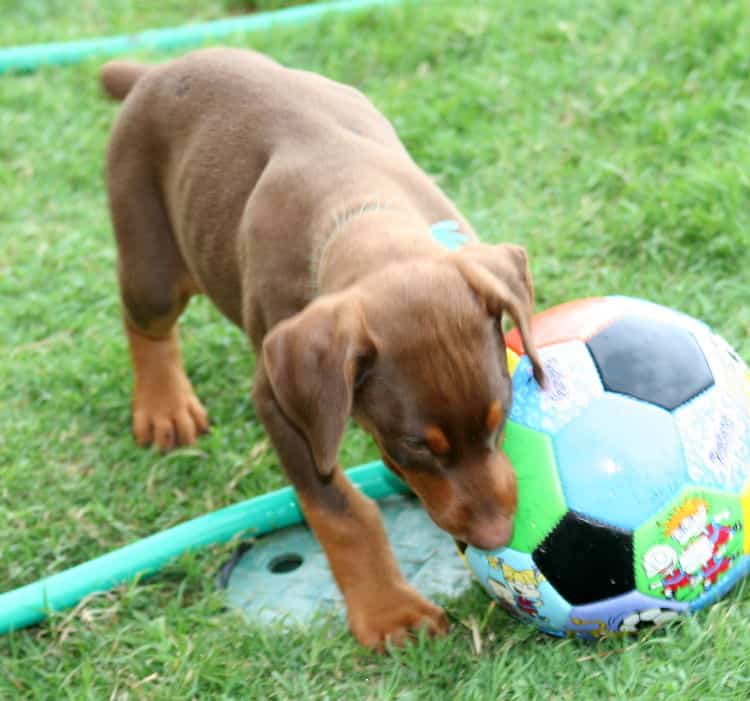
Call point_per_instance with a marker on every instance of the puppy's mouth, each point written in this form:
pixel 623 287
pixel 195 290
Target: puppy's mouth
pixel 491 534
pixel 493 538
pixel 488 534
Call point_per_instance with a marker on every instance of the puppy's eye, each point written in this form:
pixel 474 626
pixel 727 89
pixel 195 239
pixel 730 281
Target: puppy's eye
pixel 416 444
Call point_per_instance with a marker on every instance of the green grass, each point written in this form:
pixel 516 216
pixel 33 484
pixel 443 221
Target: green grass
pixel 608 136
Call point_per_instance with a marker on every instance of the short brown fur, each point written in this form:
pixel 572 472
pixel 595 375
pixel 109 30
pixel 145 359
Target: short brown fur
pixel 289 200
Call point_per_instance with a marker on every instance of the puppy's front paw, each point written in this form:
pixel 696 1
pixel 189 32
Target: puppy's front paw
pixel 392 615
pixel 168 415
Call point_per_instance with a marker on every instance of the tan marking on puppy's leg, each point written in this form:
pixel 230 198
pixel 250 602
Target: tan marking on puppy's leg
pixel 166 412
pixel 382 606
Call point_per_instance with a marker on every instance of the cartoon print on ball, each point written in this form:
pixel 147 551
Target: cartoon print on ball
pixel 572 384
pixel 740 569
pixel 627 613
pixel 520 589
pixel 515 582
pixel 690 546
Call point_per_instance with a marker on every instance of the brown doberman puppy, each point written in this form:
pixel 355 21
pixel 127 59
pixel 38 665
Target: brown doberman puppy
pixel 289 200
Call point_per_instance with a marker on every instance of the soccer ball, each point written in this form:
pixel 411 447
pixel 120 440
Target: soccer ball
pixel 633 470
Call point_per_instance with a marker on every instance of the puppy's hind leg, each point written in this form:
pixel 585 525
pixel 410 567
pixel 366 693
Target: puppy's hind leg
pixel 155 288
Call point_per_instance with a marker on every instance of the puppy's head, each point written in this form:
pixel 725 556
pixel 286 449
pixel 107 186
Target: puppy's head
pixel 416 354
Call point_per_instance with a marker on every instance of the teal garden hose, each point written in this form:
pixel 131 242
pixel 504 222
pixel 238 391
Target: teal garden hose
pixel 252 518
pixel 29 58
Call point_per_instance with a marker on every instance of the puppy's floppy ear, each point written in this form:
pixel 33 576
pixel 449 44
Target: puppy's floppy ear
pixel 313 361
pixel 500 276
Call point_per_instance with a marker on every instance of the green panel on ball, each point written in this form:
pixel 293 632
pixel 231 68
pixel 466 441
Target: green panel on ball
pixel 690 545
pixel 541 503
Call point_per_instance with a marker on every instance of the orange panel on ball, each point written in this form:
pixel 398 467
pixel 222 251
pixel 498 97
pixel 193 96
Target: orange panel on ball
pixel 577 320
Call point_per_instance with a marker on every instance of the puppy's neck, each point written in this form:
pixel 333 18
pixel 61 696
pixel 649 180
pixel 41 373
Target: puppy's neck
pixel 366 239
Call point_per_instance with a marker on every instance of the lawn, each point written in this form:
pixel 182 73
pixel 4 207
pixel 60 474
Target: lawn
pixel 608 136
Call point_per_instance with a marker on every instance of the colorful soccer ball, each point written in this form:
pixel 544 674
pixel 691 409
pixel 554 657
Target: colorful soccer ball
pixel 633 471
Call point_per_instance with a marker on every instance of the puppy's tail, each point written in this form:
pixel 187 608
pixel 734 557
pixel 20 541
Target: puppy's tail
pixel 119 77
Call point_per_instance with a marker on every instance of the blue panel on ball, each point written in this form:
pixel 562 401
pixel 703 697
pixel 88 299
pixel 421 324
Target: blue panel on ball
pixel 715 431
pixel 515 582
pixel 572 384
pixel 621 461
pixel 478 564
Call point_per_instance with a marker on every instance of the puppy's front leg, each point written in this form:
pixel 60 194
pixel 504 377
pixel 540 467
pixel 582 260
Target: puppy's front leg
pixel 381 606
